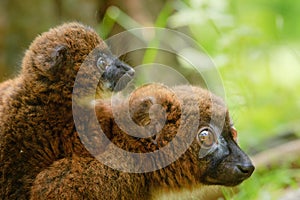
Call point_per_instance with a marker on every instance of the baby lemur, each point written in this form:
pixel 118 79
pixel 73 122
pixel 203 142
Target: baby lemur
pixel 197 137
pixel 36 121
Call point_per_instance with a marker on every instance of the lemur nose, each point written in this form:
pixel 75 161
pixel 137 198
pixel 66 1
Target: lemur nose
pixel 246 169
pixel 130 72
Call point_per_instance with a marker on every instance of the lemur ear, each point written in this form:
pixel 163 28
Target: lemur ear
pixel 58 57
pixel 140 111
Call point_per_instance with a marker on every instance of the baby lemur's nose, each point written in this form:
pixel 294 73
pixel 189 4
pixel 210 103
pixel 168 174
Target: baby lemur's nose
pixel 130 72
pixel 246 169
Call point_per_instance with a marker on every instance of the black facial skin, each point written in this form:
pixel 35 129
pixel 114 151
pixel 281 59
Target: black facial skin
pixel 227 165
pixel 115 73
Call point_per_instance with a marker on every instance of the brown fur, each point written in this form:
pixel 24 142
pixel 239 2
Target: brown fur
pixel 87 178
pixel 36 122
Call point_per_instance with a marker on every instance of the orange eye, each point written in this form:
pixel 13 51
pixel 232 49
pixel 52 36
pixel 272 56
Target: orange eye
pixel 206 137
pixel 234 133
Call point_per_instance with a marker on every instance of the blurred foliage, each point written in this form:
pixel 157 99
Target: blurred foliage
pixel 255 45
pixel 21 22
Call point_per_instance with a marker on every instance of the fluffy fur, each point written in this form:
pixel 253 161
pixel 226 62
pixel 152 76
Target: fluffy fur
pixel 36 122
pixel 87 178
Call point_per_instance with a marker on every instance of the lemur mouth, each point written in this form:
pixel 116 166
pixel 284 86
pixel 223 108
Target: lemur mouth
pixel 118 82
pixel 212 181
pixel 124 80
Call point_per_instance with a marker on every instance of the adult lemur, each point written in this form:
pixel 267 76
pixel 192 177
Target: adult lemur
pixel 36 121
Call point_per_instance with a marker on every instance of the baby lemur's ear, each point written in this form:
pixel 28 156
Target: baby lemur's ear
pixel 58 57
pixel 140 110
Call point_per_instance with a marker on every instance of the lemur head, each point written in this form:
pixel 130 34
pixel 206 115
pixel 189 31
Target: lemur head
pixel 192 113
pixel 57 55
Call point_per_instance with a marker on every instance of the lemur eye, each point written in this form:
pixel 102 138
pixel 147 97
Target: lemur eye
pixel 101 63
pixel 206 137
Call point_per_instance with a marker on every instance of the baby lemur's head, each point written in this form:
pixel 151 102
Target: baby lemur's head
pixel 55 57
pixel 187 124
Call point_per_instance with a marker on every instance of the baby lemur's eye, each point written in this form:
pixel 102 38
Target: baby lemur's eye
pixel 206 137
pixel 101 63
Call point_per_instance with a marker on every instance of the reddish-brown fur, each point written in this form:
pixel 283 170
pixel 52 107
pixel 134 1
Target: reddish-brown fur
pixel 87 178
pixel 36 122
pixel 42 155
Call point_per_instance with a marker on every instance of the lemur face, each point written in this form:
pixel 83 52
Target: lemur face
pixel 226 164
pixel 115 73
pixel 61 53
